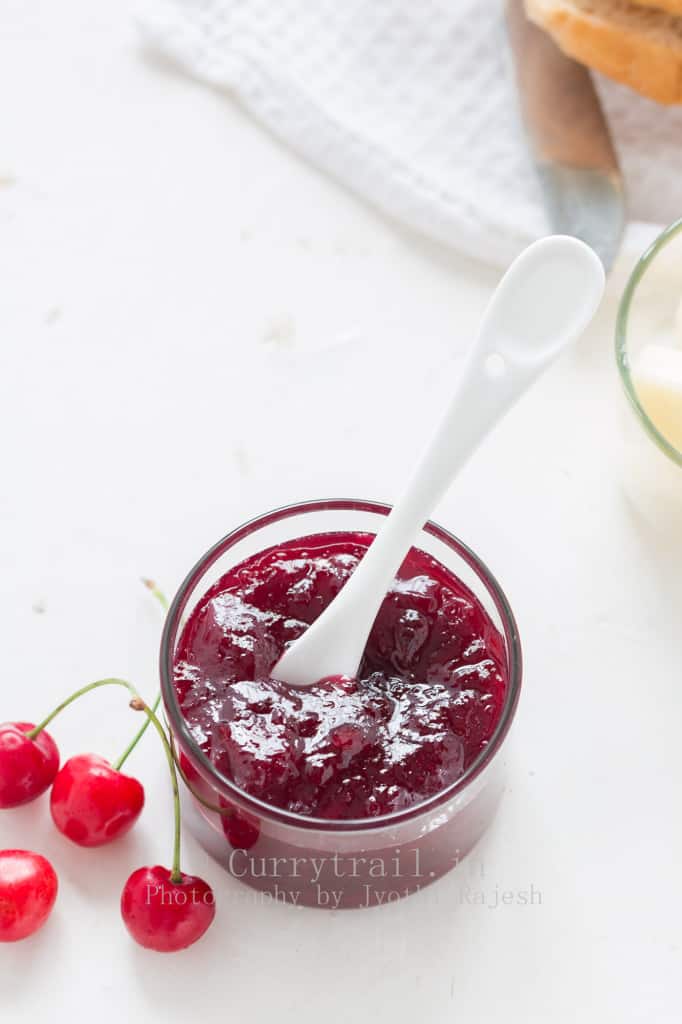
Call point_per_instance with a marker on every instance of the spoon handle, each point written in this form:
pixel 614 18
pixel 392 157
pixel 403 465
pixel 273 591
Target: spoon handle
pixel 487 388
pixel 545 299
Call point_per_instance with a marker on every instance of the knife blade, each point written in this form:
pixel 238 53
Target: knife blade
pixel 569 139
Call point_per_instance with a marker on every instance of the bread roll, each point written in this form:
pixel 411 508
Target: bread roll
pixel 635 44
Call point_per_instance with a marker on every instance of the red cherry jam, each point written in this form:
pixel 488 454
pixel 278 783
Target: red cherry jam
pixel 428 696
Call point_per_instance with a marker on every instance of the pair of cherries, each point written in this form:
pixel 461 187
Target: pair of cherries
pixel 92 803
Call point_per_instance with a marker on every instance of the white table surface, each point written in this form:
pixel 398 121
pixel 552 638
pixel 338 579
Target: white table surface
pixel 195 326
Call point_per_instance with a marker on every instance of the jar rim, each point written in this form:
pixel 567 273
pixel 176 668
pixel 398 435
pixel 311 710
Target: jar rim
pixel 227 786
pixel 621 339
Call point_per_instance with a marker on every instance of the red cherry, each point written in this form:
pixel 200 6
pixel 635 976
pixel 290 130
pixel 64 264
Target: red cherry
pixel 92 803
pixel 242 830
pixel 28 889
pixel 163 915
pixel 188 769
pixel 27 767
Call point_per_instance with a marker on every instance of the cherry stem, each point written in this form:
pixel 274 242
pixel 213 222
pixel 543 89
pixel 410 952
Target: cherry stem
pixel 74 696
pixel 139 705
pixel 161 598
pixel 118 764
pixel 158 594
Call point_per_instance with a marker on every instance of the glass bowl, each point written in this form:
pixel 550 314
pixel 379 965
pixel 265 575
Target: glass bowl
pixel 651 465
pixel 317 862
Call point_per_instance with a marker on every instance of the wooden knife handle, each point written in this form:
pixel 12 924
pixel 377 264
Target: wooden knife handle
pixel 560 107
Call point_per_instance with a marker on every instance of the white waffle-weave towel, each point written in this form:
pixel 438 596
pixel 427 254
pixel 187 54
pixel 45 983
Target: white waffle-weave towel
pixel 411 105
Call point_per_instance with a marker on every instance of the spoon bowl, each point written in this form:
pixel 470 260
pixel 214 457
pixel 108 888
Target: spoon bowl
pixel 544 298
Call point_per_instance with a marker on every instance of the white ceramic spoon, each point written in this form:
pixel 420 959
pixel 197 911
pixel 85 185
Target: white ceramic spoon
pixel 546 299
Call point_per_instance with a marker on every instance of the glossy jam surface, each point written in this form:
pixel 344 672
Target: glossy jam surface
pixel 429 693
